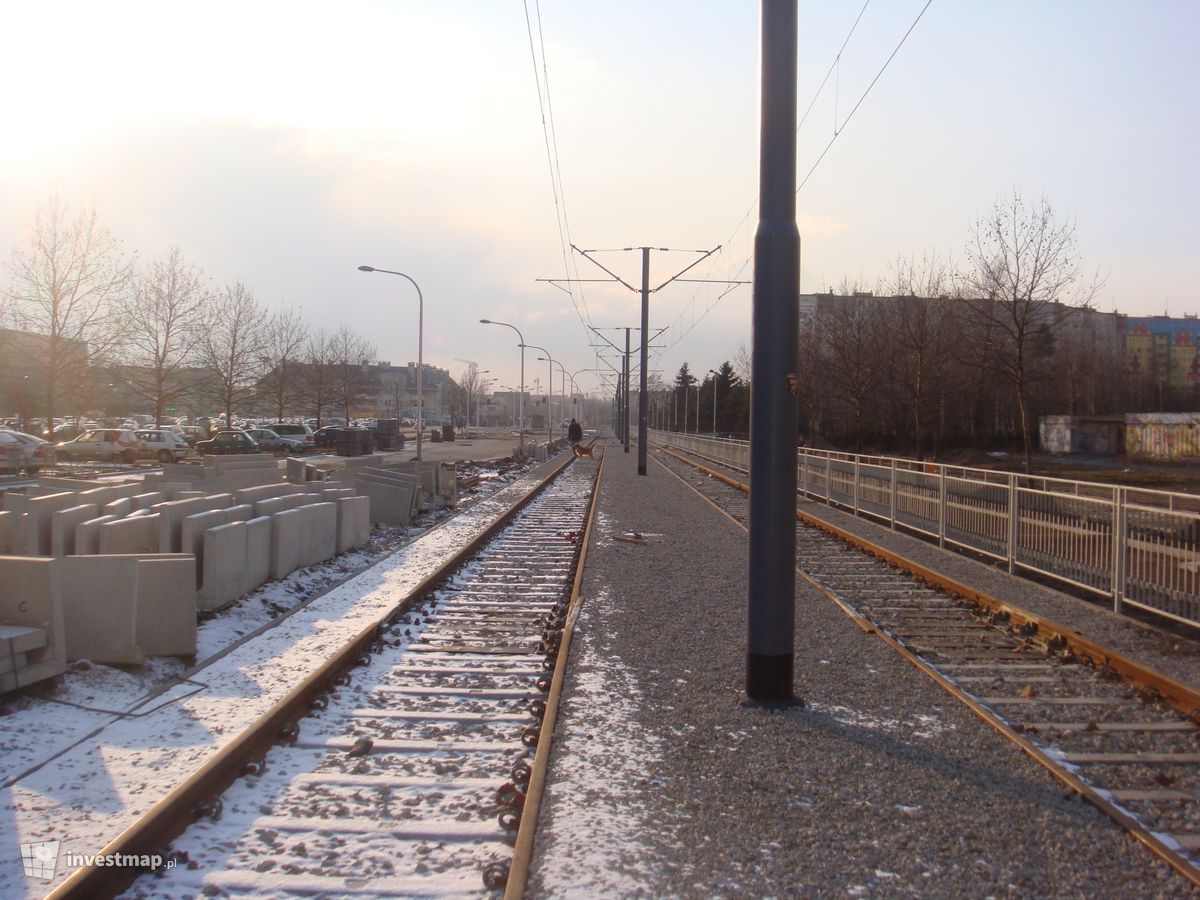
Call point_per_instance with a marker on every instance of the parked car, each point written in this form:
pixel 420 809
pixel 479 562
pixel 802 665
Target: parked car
pixel 228 441
pixel 193 433
pixel 118 445
pixel 330 435
pixel 272 442
pixel 37 451
pixel 66 432
pixel 294 430
pixel 161 445
pixel 12 454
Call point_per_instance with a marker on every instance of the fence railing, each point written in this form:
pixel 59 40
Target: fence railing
pixel 1137 547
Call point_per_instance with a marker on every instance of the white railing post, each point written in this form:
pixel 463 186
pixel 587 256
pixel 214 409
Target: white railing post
pixel 1012 523
pixel 854 486
pixel 1120 538
pixel 893 496
pixel 942 506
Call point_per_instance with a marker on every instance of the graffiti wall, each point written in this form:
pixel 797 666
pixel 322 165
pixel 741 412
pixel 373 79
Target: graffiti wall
pixel 1173 436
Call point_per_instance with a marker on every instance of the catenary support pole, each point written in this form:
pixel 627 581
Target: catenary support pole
pixel 625 414
pixel 770 650
pixel 643 424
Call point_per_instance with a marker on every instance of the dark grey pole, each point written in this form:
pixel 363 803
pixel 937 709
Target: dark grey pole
pixel 770 649
pixel 643 414
pixel 625 413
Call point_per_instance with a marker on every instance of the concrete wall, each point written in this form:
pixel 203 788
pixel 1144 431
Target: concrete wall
pixel 100 608
pixel 134 534
pixel 224 565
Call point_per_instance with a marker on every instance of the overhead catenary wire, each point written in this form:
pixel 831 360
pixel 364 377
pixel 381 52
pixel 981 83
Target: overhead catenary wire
pixel 838 129
pixel 550 139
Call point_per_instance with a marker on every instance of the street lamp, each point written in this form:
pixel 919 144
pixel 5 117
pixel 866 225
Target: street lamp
pixel 714 375
pixel 521 396
pixel 550 399
pixel 420 348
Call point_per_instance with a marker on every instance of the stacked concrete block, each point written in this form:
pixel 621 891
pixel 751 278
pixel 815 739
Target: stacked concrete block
pixel 133 534
pixel 224 565
pixel 32 637
pixel 63 525
pixel 353 522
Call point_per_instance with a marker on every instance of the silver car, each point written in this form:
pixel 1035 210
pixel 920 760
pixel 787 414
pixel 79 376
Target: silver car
pixel 161 444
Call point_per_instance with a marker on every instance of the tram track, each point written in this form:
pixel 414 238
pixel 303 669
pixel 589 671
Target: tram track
pixel 1124 736
pixel 402 767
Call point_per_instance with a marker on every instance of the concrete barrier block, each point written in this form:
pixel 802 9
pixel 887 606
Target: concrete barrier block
pixel 353 522
pixel 166 607
pixel 63 524
pixel 295 470
pixel 147 500
pixel 139 534
pixel 273 505
pixel 241 513
pixel 120 507
pixel 219 501
pixel 190 494
pixel 99 601
pixel 319 534
pixel 393 501
pixel 287 530
pixel 40 510
pixel 224 565
pixel 191 537
pixel 258 554
pixel 31 597
pixel 87 535
pixel 255 493
pixel 172 513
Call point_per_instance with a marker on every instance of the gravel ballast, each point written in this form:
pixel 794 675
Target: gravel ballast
pixel 663 783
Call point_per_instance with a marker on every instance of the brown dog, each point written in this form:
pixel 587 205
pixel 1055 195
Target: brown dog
pixel 589 450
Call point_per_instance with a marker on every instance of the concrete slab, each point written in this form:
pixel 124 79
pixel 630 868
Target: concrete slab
pixel 11 532
pixel 136 534
pixel 63 524
pixel 353 522
pixel 266 492
pixel 191 537
pixel 122 507
pixel 166 606
pixel 392 503
pixel 240 513
pixel 37 526
pixel 319 533
pixel 224 565
pixel 287 529
pixel 258 554
pixel 87 535
pixel 99 602
pixel 173 512
pixel 147 500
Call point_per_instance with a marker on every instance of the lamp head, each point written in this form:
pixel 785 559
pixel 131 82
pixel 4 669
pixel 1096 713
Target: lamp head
pixel 485 321
pixel 366 269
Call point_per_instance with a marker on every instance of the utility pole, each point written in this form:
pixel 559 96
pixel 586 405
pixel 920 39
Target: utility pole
pixel 774 388
pixel 645 291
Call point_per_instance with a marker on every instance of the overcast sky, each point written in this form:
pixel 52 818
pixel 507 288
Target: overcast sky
pixel 283 144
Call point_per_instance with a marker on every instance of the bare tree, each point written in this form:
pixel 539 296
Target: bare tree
pixel 920 326
pixel 286 338
pixel 316 376
pixel 232 347
pixel 850 354
pixel 1024 281
pixel 471 381
pixel 68 281
pixel 350 369
pixel 164 314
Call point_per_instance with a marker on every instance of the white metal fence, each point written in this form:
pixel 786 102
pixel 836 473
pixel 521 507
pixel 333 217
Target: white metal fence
pixel 1138 547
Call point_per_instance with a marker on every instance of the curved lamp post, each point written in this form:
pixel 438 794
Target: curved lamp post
pixel 420 348
pixel 550 401
pixel 521 396
pixel 714 375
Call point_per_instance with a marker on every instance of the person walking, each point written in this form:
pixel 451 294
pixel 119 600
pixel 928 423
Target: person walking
pixel 575 432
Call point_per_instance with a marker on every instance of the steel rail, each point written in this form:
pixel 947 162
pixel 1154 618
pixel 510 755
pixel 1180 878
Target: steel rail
pixel 518 873
pixel 1180 697
pixel 171 815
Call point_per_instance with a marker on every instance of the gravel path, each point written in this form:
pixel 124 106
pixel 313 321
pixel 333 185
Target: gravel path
pixel 663 784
